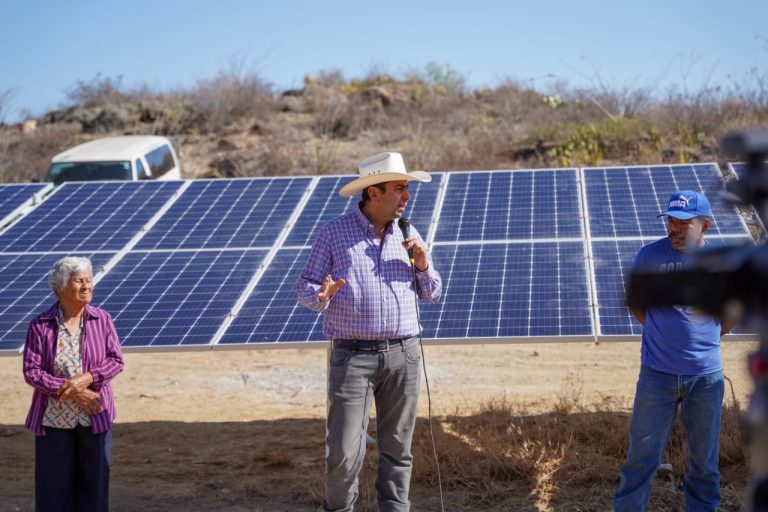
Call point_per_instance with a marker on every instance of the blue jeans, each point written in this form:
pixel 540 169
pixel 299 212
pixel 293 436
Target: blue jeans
pixel 357 379
pixel 658 394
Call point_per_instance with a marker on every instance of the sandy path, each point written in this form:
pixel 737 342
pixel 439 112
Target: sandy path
pixel 253 385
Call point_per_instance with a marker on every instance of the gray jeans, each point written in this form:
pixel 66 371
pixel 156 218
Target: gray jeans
pixel 356 378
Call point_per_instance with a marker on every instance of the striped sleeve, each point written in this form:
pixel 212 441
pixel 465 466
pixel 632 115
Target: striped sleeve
pixel 112 362
pixel 34 370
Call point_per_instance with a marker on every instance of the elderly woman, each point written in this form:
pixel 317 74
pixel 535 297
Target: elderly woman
pixel 70 356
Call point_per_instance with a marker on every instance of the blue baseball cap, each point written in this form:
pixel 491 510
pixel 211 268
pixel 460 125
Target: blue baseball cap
pixel 687 204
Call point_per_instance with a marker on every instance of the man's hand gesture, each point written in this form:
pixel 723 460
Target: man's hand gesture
pixel 329 288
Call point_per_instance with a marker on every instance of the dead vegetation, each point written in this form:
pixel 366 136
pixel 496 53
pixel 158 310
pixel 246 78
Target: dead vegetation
pixel 237 124
pixel 500 458
pixel 496 458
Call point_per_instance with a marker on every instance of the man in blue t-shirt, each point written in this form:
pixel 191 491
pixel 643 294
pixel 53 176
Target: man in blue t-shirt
pixel 680 366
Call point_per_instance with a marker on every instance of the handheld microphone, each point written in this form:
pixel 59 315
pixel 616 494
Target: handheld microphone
pixel 405 227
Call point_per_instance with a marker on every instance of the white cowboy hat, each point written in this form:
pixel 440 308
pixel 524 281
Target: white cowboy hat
pixel 379 169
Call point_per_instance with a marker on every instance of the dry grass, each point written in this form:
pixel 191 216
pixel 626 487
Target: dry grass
pixel 502 458
pixel 494 458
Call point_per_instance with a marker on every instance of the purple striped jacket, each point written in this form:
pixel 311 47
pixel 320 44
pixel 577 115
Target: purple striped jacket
pixel 101 355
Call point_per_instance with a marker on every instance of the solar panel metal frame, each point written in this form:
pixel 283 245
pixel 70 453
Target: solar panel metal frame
pixel 732 167
pixel 99 270
pixel 65 188
pixel 44 290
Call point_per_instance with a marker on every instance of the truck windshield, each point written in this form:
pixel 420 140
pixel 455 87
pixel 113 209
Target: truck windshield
pixel 88 171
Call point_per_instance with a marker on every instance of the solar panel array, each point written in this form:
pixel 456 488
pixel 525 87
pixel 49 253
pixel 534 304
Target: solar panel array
pixel 524 254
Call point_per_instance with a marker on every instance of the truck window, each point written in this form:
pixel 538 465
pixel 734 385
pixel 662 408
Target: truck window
pixel 88 171
pixel 160 160
pixel 140 173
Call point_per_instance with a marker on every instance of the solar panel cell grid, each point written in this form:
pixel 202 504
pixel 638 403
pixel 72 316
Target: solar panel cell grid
pixel 88 217
pixel 511 205
pixel 625 201
pixel 612 262
pixel 14 196
pixel 175 298
pixel 508 290
pixel 227 213
pixel 271 313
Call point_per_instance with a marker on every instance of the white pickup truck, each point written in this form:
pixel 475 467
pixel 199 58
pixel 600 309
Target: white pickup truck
pixel 129 157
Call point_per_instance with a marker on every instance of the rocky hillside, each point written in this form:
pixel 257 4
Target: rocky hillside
pixel 235 124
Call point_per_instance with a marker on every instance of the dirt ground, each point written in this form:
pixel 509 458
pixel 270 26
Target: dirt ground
pixel 243 430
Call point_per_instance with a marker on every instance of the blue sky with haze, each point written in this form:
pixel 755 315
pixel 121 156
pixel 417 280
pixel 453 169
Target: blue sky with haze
pixel 47 46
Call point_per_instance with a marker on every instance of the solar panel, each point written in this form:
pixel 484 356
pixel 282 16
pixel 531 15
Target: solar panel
pixel 271 313
pixel 511 205
pixel 100 216
pixel 325 204
pixel 25 293
pixel 623 205
pixel 624 201
pixel 507 290
pixel 227 213
pixel 176 298
pixel 612 263
pixel 15 196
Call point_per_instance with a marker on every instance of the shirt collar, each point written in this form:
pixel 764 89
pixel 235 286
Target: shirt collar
pixel 52 313
pixel 365 225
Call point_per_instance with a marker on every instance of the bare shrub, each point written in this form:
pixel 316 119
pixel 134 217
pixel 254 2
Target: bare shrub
pixel 25 157
pixel 233 95
pixel 98 92
pixel 5 103
pixel 442 77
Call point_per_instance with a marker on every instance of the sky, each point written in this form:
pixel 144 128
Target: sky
pixel 46 47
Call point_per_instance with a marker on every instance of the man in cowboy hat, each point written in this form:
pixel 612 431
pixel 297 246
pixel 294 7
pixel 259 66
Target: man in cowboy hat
pixel 360 276
pixel 680 368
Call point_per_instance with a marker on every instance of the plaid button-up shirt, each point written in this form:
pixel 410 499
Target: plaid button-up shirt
pixel 377 300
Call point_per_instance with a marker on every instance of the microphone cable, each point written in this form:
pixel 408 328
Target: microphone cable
pixel 424 366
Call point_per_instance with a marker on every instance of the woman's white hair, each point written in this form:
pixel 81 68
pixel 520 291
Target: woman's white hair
pixel 65 267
